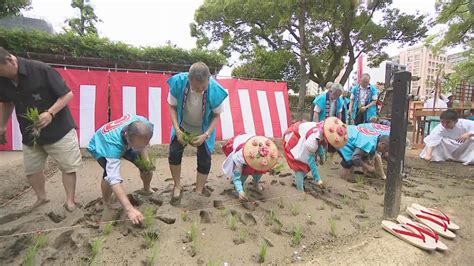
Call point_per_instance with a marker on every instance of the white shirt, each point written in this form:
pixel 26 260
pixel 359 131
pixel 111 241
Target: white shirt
pixel 440 132
pixel 439 104
pixel 363 94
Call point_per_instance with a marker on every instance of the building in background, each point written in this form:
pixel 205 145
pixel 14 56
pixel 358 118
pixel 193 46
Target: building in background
pixel 421 62
pixel 454 59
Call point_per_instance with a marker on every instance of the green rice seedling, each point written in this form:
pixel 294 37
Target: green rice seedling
pixel 332 227
pixel 144 164
pixel 150 236
pixel 322 206
pixel 185 216
pixel 270 218
pixel 149 216
pixel 39 241
pixel 263 253
pixel 346 199
pixel 192 234
pixel 360 180
pixel 310 218
pixel 96 246
pixel 362 208
pixel 297 235
pixel 277 169
pixel 32 115
pixel 280 203
pixel 232 222
pixel 150 259
pixel 211 262
pixel 295 209
pixel 189 137
pixel 107 229
pixel 243 235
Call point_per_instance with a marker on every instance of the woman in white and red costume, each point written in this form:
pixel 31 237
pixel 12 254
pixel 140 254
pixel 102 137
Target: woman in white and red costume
pixel 303 141
pixel 248 154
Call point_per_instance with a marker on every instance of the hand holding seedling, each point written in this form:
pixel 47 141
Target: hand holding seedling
pixel 199 140
pixel 181 137
pixel 134 215
pixel 44 120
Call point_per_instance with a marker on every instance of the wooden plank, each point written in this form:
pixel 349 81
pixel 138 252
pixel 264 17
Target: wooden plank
pixel 398 134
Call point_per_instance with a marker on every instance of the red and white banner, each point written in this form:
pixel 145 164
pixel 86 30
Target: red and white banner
pixel 89 106
pixel 258 107
pixel 142 94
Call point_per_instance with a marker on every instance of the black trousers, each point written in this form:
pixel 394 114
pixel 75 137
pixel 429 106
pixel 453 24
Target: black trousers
pixel 203 156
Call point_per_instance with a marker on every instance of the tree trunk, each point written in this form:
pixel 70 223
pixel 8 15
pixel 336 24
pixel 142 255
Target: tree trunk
pixel 302 93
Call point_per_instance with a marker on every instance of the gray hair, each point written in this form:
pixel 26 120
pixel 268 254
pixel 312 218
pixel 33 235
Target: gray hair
pixel 336 87
pixel 199 72
pixel 4 54
pixel 329 85
pixel 365 75
pixel 139 129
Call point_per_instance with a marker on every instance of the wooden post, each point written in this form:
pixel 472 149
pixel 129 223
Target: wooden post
pixel 398 134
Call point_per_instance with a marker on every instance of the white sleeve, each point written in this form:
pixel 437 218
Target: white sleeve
pixel 239 159
pixel 317 109
pixel 311 144
pixel 219 109
pixel 352 96
pixel 112 168
pixel 375 97
pixel 172 100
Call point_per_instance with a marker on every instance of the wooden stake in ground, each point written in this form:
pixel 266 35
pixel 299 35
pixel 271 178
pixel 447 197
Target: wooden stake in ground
pixel 398 134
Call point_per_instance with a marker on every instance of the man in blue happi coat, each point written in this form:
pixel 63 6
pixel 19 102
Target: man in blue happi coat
pixel 195 103
pixel 363 103
pixel 127 137
pixel 361 147
pixel 328 104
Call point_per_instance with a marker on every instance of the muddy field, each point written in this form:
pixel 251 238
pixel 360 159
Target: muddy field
pixel 339 225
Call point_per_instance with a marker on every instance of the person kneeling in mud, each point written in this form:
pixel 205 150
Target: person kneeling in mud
pixel 248 154
pixel 128 138
pixel 304 141
pixel 360 150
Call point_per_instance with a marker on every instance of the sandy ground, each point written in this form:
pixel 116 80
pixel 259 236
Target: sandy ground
pixel 355 209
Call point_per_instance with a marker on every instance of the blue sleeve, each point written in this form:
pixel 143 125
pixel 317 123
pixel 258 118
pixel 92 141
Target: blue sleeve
pixel 177 84
pixel 237 181
pixel 218 93
pixel 314 168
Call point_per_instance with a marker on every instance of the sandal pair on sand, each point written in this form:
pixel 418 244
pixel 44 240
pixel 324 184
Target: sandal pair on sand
pixel 424 233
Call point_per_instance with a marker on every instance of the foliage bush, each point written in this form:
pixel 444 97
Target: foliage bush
pixel 69 44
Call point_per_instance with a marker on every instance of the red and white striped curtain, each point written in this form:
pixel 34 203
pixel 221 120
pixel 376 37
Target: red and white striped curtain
pixel 259 107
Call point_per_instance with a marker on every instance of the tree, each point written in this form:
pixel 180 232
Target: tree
pixel 274 65
pixel 458 16
pixel 87 20
pixel 324 36
pixel 13 7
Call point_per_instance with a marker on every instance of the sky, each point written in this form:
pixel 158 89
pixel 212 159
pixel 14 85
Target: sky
pixel 154 22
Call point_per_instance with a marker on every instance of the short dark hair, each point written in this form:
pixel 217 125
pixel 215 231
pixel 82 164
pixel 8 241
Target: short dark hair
pixel 4 54
pixel 384 139
pixel 449 115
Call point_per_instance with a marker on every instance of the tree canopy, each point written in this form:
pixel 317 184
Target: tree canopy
pixel 325 36
pixel 13 7
pixel 85 23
